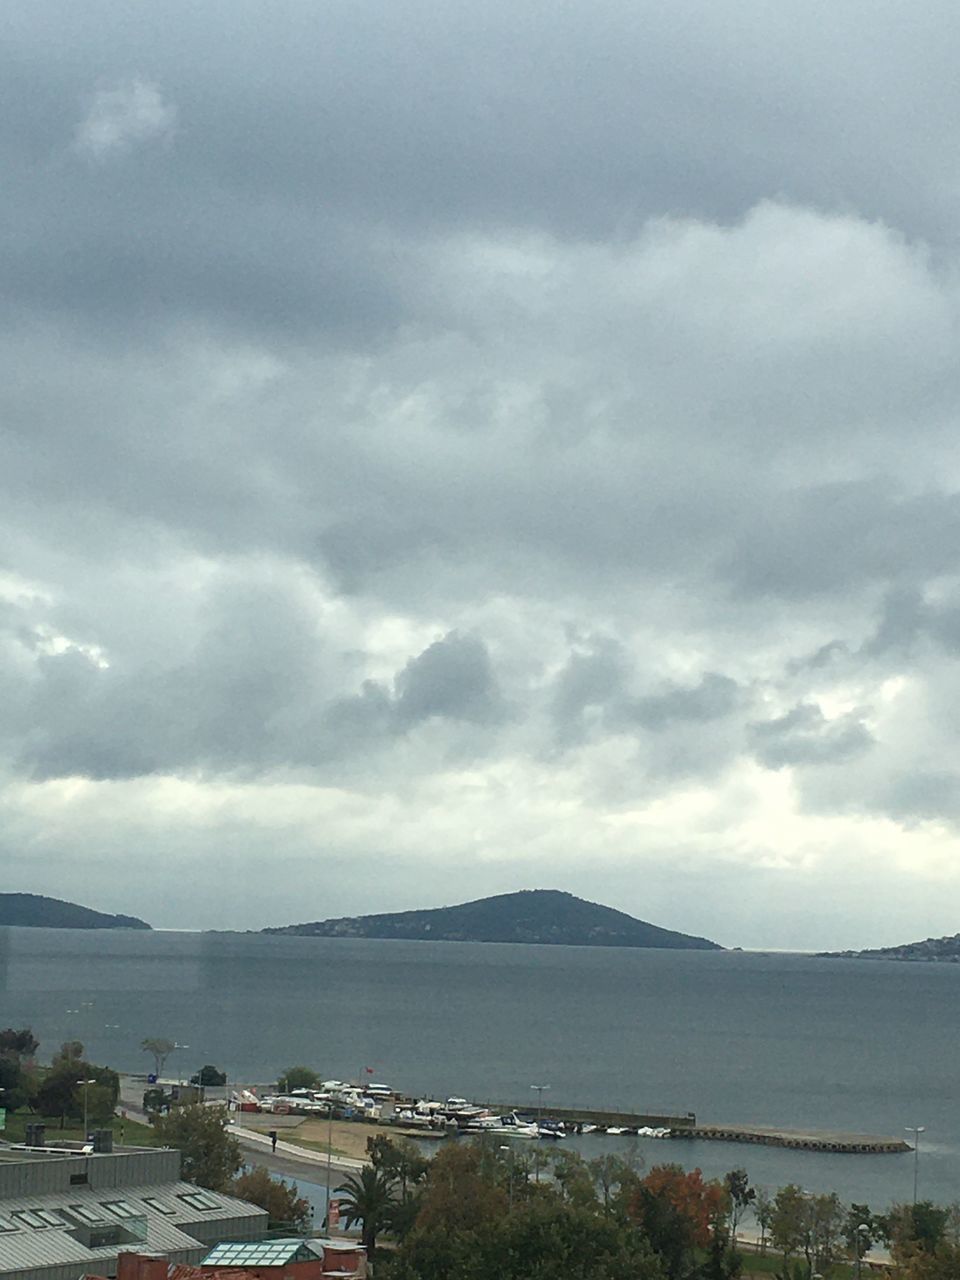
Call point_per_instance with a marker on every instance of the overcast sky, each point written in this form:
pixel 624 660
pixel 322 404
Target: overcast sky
pixel 449 449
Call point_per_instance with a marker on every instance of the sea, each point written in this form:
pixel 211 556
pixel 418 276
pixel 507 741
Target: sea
pixel 792 1041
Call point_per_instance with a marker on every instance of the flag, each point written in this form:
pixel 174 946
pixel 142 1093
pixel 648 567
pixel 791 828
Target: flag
pixel 368 1070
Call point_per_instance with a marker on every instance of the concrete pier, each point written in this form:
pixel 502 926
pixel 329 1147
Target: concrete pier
pixel 799 1139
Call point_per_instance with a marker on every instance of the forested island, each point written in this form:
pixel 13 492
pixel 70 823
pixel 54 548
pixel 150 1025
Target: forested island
pixel 532 916
pixel 36 911
pixel 944 950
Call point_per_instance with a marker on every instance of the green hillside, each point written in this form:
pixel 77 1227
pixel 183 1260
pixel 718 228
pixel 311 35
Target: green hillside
pixel 532 915
pixel 36 911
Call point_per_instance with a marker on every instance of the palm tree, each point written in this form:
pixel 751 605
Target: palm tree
pixel 369 1200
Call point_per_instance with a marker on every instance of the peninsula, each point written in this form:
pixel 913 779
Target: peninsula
pixel 532 915
pixel 36 911
pixel 944 950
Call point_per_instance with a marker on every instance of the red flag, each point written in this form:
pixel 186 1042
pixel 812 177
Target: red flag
pixel 368 1070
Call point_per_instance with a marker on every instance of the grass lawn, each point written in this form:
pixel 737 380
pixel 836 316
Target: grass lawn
pixel 128 1132
pixel 769 1264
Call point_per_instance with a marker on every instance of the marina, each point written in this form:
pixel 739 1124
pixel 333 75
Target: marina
pixel 455 1115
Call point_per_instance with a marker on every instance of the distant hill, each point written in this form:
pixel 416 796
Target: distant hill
pixel 35 910
pixel 944 950
pixel 532 915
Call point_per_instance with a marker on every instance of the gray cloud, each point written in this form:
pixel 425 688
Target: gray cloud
pixel 804 736
pixel 445 431
pixel 713 697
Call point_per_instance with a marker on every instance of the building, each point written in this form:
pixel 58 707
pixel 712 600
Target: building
pixel 288 1259
pixel 69 1211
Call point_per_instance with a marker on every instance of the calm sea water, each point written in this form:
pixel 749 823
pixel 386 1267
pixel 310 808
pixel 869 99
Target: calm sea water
pixel 735 1037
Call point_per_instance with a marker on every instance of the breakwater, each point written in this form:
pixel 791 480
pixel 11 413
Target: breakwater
pixel 797 1139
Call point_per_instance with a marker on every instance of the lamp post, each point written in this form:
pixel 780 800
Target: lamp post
pixel 861 1230
pixel 86 1123
pixel 178 1045
pixel 509 1177
pixel 539 1088
pixel 329 1156
pixel 916 1130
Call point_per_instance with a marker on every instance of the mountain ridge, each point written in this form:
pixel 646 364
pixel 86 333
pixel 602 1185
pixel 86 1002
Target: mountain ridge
pixel 945 950
pixel 36 911
pixel 539 916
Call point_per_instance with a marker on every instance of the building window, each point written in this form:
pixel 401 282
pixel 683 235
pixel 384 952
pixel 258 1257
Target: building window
pixel 198 1200
pixel 87 1214
pixel 50 1217
pixel 120 1208
pixel 37 1218
pixel 158 1206
pixel 7 1225
pixel 78 1179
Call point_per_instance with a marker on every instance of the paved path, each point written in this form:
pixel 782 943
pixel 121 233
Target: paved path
pixel 313 1161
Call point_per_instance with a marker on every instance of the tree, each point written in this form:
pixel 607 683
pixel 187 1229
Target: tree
pixel 695 1201
pixel 61 1091
pixel 790 1222
pixel 551 1239
pixel 18 1044
pixel 209 1075
pixel 161 1050
pixel 811 1225
pixel 15 1084
pixel 914 1230
pixel 609 1172
pixel 70 1051
pixel 574 1179
pixel 280 1199
pixel 464 1189
pixel 399 1159
pixel 298 1078
pixel 741 1194
pixel 942 1264
pixel 368 1199
pixel 827 1226
pixel 543 1238
pixel 861 1230
pixel 56 1095
pixel 793 1271
pixel 763 1212
pixel 210 1155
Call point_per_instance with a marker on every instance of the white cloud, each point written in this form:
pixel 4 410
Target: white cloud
pixel 124 117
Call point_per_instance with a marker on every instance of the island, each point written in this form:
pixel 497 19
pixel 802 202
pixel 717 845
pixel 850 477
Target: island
pixel 531 915
pixel 944 950
pixel 38 912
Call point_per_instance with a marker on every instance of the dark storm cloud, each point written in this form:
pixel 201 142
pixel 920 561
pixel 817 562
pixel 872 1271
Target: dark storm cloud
pixel 804 736
pixel 308 145
pixel 453 678
pixel 715 696
pixel 392 392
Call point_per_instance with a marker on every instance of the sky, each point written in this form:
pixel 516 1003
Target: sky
pixel 448 449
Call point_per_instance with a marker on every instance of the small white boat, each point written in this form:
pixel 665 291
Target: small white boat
pixel 511 1126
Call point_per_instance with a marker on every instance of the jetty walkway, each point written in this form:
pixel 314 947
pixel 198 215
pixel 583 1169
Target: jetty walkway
pixel 798 1139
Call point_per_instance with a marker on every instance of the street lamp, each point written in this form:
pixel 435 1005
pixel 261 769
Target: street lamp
pixel 510 1177
pixel 539 1088
pixel 86 1123
pixel 329 1155
pixel 861 1231
pixel 916 1130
